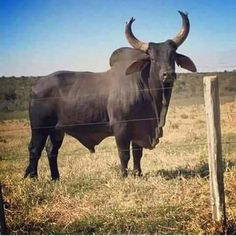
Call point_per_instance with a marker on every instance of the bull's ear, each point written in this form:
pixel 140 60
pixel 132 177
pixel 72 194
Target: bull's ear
pixel 185 62
pixel 137 66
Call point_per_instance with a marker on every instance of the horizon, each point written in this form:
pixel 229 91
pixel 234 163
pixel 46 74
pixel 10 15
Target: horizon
pixel 40 37
pixel 178 73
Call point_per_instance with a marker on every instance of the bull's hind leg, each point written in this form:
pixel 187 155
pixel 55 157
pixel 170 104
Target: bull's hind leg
pixel 35 147
pixel 54 143
pixel 137 155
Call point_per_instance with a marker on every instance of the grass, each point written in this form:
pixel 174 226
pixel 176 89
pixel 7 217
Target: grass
pixel 172 197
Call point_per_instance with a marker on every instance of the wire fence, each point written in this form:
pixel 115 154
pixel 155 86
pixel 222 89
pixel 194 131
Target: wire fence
pixel 106 122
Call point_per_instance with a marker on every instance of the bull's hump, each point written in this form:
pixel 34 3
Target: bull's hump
pixel 126 54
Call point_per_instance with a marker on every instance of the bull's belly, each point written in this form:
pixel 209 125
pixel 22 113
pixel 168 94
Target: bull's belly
pixel 88 139
pixel 88 135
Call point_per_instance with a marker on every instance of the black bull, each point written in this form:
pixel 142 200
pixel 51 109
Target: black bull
pixel 129 101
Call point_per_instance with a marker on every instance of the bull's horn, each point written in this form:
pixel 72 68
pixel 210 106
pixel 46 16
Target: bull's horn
pixel 134 42
pixel 182 35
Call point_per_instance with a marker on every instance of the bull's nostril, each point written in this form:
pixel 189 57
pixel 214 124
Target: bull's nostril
pixel 165 75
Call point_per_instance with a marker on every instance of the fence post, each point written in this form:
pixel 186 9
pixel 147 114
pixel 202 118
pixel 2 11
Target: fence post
pixel 212 106
pixel 3 225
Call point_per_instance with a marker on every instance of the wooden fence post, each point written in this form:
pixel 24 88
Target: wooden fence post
pixel 212 106
pixel 4 229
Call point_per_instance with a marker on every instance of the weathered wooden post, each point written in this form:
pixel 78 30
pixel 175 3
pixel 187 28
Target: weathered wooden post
pixel 3 225
pixel 212 106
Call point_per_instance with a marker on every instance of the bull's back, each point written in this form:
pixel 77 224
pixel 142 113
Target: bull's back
pixel 64 96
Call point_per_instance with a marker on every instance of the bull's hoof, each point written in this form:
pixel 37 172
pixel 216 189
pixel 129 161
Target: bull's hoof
pixel 56 179
pixel 124 174
pixel 32 176
pixel 137 173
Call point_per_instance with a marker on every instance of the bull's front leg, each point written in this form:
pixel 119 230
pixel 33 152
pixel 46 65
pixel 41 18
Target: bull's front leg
pixel 137 155
pixel 124 155
pixel 123 145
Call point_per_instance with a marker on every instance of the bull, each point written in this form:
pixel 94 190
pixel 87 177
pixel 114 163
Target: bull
pixel 129 101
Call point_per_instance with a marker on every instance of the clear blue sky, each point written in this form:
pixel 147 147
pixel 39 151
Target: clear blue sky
pixel 38 37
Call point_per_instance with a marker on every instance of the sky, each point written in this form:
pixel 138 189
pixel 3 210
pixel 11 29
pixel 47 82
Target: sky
pixel 39 37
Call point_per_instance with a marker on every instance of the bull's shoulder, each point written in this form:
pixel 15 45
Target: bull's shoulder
pixel 125 54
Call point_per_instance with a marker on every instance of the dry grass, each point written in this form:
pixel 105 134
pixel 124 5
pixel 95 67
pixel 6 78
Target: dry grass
pixel 171 198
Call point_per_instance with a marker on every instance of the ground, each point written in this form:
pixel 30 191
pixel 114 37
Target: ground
pixel 172 197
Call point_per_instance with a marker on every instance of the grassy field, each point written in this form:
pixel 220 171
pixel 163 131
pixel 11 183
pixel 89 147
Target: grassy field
pixel 171 198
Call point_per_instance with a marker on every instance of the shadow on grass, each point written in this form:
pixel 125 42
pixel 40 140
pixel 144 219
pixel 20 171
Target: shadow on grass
pixel 201 170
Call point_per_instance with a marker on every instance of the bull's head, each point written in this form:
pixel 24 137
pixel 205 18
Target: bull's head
pixel 161 56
